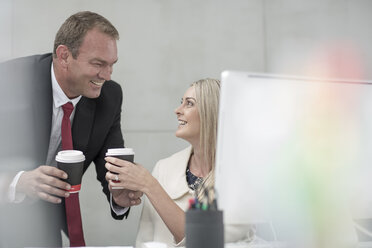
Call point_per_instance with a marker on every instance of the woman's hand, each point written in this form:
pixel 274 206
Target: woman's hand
pixel 135 177
pixel 131 176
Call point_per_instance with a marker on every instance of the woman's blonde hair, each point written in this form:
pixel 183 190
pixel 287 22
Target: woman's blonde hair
pixel 207 97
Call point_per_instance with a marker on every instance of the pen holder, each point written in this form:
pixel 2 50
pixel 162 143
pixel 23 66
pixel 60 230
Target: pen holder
pixel 204 229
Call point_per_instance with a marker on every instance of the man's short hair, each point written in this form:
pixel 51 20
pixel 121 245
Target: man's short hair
pixel 74 29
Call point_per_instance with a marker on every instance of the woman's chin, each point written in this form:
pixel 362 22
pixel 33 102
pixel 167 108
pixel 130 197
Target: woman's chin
pixel 177 134
pixel 180 134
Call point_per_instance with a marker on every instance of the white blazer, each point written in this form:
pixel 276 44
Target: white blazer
pixel 171 174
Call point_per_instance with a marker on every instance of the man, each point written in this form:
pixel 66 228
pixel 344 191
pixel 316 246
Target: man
pixel 34 91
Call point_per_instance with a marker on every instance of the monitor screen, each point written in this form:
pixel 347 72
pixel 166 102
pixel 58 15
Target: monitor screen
pixel 295 153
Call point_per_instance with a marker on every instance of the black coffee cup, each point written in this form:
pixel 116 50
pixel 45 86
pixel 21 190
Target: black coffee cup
pixel 126 154
pixel 72 162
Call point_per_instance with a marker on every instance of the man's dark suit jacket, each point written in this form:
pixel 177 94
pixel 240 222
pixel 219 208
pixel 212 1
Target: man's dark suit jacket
pixel 25 126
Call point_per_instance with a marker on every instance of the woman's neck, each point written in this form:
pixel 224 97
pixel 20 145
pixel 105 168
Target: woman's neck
pixel 198 165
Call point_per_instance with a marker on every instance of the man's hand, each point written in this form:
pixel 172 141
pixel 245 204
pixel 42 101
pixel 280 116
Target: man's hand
pixel 126 197
pixel 45 183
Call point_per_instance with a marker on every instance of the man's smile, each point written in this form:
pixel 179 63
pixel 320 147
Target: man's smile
pixel 97 83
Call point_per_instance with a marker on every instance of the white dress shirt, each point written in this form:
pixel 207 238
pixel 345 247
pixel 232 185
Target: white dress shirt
pixel 59 99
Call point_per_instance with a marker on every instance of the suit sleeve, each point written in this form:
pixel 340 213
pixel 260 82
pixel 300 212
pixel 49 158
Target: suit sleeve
pixel 113 139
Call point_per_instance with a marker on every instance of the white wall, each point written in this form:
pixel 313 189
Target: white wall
pixel 166 45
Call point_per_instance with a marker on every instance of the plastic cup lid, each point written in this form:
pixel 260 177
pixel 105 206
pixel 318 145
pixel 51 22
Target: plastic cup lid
pixel 119 151
pixel 70 156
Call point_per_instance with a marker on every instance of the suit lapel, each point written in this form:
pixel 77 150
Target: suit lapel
pixel 83 122
pixel 42 106
pixel 178 187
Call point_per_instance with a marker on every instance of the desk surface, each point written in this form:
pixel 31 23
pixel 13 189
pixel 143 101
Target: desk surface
pixel 278 245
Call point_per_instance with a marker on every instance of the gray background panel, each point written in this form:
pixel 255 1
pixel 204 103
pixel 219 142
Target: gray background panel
pixel 166 45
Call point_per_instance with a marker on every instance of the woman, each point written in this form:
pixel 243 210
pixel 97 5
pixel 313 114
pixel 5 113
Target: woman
pixel 175 179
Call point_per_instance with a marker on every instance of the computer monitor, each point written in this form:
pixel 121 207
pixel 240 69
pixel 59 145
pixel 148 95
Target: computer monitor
pixel 295 153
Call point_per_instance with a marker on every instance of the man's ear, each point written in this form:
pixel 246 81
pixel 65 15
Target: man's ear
pixel 63 56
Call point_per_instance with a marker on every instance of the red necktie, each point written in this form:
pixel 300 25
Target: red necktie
pixel 73 216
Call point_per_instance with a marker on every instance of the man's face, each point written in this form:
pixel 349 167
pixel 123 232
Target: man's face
pixel 93 65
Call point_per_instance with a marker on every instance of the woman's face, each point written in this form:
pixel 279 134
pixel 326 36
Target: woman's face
pixel 188 118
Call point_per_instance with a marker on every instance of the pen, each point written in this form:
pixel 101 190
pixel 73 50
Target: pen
pixel 204 206
pixel 197 204
pixel 191 203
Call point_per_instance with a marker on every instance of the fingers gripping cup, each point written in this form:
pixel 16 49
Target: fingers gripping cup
pixel 72 162
pixel 126 154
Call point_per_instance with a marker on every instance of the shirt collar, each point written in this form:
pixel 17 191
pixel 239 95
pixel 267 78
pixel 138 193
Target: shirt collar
pixel 59 97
